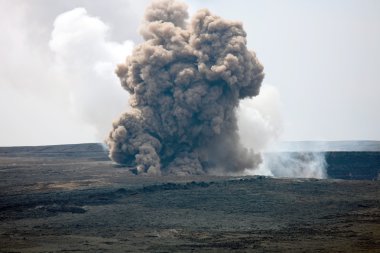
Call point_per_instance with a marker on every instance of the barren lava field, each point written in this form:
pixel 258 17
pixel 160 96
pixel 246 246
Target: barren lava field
pixel 72 198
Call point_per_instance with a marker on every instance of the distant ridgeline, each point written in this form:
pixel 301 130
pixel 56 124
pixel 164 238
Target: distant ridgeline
pixel 325 146
pixel 91 151
pixel 345 159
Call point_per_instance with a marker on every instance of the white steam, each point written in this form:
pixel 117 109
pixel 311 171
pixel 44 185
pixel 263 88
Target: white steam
pixel 47 67
pixel 259 119
pixel 86 59
pixel 260 127
pixel 291 164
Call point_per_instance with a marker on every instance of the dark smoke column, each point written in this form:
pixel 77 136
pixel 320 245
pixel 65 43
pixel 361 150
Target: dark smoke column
pixel 185 83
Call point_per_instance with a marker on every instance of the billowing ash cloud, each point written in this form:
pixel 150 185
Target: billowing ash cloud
pixel 185 82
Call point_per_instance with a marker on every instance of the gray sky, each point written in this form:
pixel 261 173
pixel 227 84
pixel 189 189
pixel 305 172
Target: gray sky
pixel 323 57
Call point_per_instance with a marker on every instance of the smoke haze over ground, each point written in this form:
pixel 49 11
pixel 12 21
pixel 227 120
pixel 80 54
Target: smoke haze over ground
pixel 291 165
pixel 260 127
pixel 185 82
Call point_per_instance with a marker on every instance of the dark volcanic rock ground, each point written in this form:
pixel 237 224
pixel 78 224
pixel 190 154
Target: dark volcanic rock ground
pixel 64 200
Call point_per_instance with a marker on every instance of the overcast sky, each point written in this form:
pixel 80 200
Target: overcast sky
pixel 58 57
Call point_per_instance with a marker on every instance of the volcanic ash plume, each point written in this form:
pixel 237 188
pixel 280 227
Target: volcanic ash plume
pixel 185 82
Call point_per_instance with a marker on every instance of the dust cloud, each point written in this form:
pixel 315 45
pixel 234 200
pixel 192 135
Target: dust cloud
pixel 185 83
